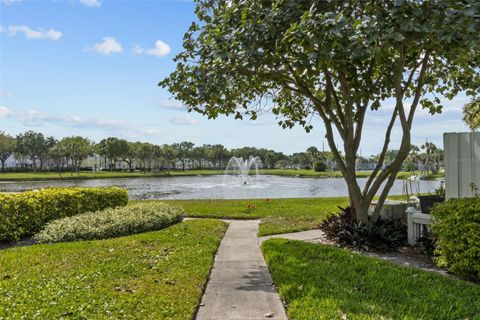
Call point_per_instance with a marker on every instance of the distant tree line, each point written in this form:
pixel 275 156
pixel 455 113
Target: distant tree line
pixel 34 151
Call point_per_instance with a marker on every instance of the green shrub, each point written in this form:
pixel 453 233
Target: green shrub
pixel 23 214
pixel 113 222
pixel 456 226
pixel 382 234
pixel 319 166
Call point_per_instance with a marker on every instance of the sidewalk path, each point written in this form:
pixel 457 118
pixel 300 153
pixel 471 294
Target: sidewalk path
pixel 240 285
pixel 310 235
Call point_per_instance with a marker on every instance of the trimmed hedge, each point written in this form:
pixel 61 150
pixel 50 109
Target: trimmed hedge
pixel 112 222
pixel 23 214
pixel 456 227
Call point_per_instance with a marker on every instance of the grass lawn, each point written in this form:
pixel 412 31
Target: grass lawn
pixel 155 275
pixel 278 215
pixel 323 282
pixel 29 176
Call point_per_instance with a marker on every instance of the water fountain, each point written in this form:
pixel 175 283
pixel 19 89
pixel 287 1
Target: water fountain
pixel 239 169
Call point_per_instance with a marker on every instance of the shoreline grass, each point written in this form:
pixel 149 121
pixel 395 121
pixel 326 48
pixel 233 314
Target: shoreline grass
pixel 281 215
pixel 278 215
pixel 303 173
pixel 153 275
pixel 322 282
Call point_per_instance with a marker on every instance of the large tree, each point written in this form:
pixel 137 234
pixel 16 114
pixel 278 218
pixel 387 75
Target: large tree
pixel 58 156
pixel 145 155
pixel 184 152
pixel 76 149
pixel 132 154
pixel 7 147
pixel 336 59
pixel 112 149
pixel 32 145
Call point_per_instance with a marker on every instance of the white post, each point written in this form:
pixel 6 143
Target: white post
pixel 410 228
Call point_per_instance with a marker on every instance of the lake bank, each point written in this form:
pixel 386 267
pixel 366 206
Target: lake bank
pixel 42 176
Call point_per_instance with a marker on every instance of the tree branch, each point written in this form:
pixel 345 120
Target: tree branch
pixel 383 153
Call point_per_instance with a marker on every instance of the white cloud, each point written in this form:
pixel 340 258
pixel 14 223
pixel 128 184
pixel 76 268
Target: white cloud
pixel 116 127
pixel 9 2
pixel 91 3
pixel 107 46
pixel 161 49
pixel 5 112
pixel 181 119
pixel 30 33
pixel 171 105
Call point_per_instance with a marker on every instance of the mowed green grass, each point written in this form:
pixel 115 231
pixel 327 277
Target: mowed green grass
pixel 337 174
pixel 155 275
pixel 278 215
pixel 323 282
pixel 31 176
pixel 303 173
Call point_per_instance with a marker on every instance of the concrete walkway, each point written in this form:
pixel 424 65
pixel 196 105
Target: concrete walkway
pixel 240 285
pixel 310 235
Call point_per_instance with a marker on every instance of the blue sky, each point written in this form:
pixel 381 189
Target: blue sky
pixel 91 68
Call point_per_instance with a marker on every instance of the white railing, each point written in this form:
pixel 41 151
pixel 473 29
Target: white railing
pixel 417 223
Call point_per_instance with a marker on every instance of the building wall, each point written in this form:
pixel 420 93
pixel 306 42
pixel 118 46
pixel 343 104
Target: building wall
pixel 462 163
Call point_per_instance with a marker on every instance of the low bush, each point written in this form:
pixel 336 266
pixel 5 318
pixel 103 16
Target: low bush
pixel 456 226
pixel 23 214
pixel 319 166
pixel 113 222
pixel 380 234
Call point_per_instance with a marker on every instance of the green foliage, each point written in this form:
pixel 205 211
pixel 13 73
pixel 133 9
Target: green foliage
pixel 154 275
pixel 319 166
pixel 302 51
pixel 336 60
pixel 471 114
pixel 323 282
pixel 76 149
pixel 7 147
pixel 112 222
pixel 23 214
pixel 34 146
pixel 113 149
pixel 380 234
pixel 456 227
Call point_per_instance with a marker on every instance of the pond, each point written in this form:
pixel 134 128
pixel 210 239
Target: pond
pixel 220 187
